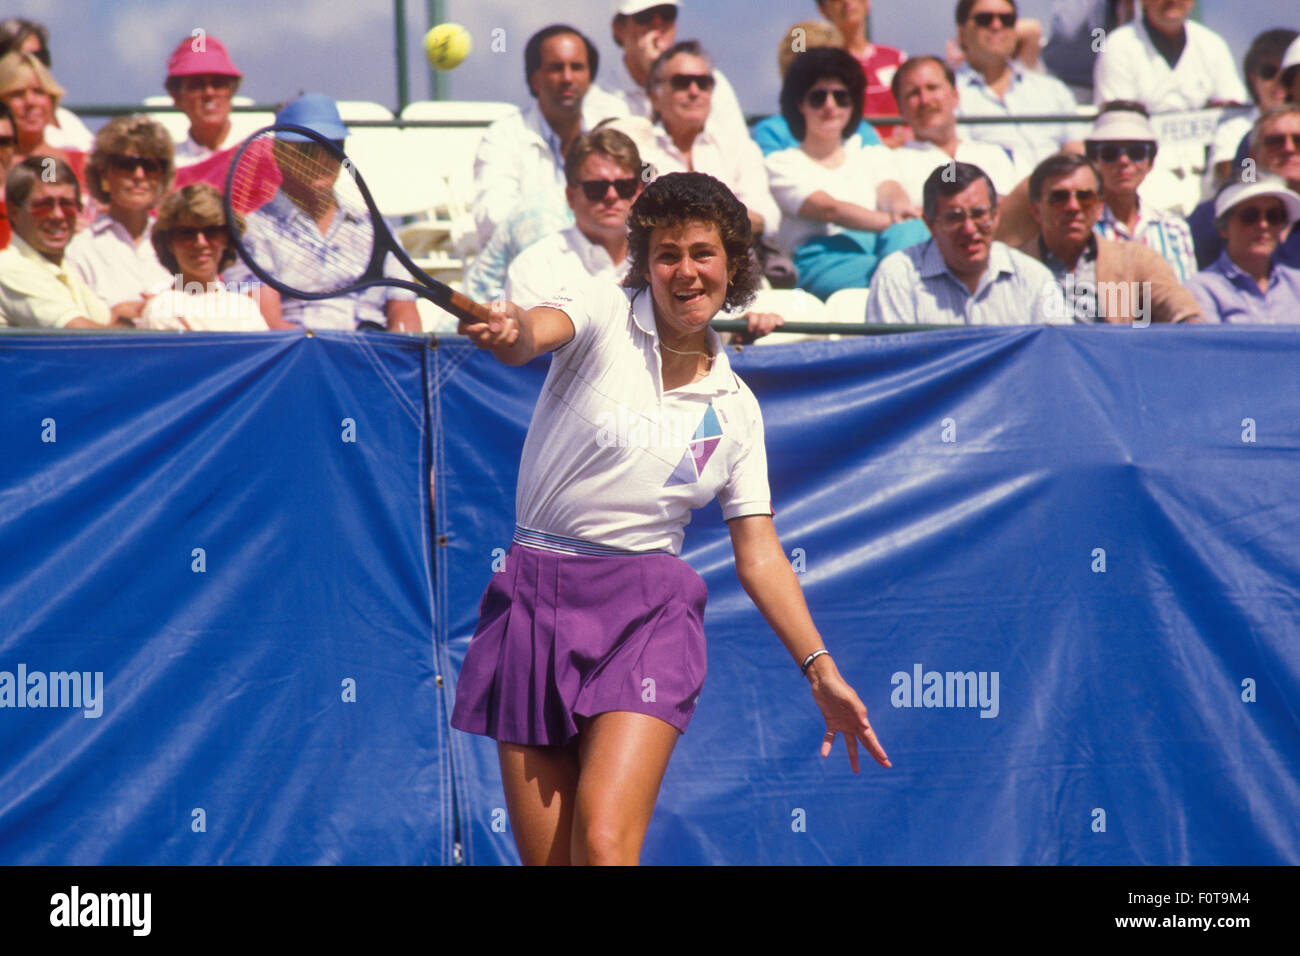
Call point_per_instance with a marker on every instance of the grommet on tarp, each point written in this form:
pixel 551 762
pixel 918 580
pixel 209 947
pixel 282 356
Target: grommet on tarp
pixel 442 541
pixel 433 342
pixel 309 333
pixel 437 679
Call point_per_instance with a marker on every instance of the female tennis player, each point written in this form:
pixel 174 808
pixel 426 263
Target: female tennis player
pixel 589 654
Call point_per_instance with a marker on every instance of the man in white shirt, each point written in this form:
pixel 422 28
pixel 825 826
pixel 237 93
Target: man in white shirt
pixel 1167 62
pixel 523 153
pixel 603 170
pixel 644 29
pixel 991 83
pixel 202 81
pixel 681 84
pixel 962 275
pixel 37 290
pixel 925 89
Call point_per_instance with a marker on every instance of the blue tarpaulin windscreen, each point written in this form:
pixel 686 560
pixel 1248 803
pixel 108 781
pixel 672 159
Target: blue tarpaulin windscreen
pixel 1060 566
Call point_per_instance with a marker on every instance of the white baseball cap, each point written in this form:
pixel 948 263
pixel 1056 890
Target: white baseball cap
pixel 1267 185
pixel 1290 60
pixel 625 8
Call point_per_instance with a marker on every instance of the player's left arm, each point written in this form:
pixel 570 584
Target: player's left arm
pixel 770 582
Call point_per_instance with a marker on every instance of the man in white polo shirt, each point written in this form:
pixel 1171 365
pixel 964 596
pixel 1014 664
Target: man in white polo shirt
pixel 925 90
pixel 603 170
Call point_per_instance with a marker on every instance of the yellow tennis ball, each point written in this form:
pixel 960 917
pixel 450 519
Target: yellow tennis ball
pixel 447 45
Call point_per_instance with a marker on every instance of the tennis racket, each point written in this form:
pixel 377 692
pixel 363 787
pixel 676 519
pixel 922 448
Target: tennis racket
pixel 316 182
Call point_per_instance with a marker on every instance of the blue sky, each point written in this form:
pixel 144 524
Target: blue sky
pixel 115 52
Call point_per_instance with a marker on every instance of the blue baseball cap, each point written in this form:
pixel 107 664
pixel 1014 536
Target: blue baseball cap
pixel 317 112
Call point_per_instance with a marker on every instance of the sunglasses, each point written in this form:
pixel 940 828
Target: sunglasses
pixel 8 142
pixel 1279 140
pixel 817 98
pixel 596 189
pixel 667 13
pixel 981 217
pixel 1268 71
pixel 129 164
pixel 191 84
pixel 42 208
pixel 188 234
pixel 1111 152
pixel 1087 198
pixel 985 20
pixel 1251 215
pixel 681 82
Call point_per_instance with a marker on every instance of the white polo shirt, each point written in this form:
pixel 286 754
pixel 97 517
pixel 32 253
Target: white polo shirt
pixel 562 260
pixel 917 159
pixel 613 460
pixel 117 267
pixel 36 293
pixel 1131 68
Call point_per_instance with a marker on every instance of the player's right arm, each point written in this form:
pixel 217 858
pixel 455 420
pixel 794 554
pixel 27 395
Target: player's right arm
pixel 516 336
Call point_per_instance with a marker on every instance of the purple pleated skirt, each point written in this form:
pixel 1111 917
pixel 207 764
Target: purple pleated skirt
pixel 575 635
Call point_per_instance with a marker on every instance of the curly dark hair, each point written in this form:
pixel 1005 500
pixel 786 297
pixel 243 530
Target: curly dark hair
pixel 678 198
pixel 822 63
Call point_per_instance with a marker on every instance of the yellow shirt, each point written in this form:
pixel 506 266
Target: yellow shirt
pixel 35 293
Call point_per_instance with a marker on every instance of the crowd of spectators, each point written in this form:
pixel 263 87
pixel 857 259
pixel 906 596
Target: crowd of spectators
pixel 961 185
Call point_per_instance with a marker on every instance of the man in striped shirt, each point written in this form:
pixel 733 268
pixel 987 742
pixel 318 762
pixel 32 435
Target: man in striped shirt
pixel 1123 145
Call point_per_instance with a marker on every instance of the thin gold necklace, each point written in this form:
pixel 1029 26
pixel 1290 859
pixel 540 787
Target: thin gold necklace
pixel 664 345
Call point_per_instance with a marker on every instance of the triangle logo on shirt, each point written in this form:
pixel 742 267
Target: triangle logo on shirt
pixel 698 452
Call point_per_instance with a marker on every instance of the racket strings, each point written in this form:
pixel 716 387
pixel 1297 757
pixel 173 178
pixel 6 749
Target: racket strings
pixel 288 192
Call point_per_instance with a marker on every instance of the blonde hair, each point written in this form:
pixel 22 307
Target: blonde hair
pixel 13 77
pixel 813 33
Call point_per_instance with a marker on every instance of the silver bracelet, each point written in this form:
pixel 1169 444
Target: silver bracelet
pixel 807 661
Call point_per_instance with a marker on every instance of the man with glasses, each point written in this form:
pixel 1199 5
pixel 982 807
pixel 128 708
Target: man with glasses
pixel 1123 146
pixel 603 171
pixel 36 289
pixel 644 29
pixel 521 156
pixel 1246 283
pixel 991 83
pixel 962 275
pixel 1102 280
pixel 681 85
pixel 307 207
pixel 202 82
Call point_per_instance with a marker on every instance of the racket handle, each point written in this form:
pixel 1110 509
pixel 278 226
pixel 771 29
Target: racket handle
pixel 467 309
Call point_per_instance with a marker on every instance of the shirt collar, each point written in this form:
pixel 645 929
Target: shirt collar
pixel 933 264
pixel 1239 277
pixel 29 252
pixel 595 259
pixel 720 378
pixel 1056 265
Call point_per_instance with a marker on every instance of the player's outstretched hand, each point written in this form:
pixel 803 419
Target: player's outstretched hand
pixel 502 329
pixel 844 713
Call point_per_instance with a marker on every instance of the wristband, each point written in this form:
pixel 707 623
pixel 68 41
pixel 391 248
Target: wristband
pixel 807 661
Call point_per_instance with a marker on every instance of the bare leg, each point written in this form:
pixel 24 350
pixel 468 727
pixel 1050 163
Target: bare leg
pixel 540 784
pixel 623 757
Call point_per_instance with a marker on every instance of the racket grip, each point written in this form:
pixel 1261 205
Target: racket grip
pixel 467 309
